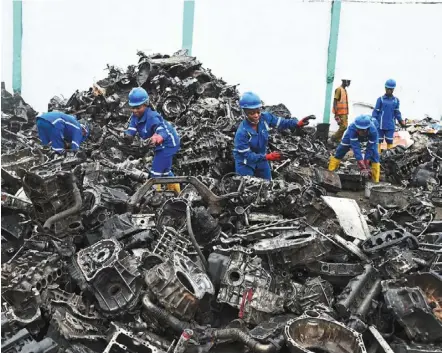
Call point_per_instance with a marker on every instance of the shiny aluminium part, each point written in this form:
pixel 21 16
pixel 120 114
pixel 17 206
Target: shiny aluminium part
pixel 110 274
pixel 123 340
pixel 312 331
pixel 179 285
pixel 24 342
pixel 357 297
pixel 415 301
pixel 292 248
pixel 243 273
pixel 383 241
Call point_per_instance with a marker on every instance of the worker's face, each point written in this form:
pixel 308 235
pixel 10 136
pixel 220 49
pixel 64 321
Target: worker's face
pixel 346 83
pixel 138 111
pixel 362 132
pixel 253 115
pixel 389 91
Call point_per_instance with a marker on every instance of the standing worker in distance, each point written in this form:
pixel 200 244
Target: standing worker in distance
pixel 362 128
pixel 386 112
pixel 252 135
pixel 340 109
pixel 157 132
pixel 62 131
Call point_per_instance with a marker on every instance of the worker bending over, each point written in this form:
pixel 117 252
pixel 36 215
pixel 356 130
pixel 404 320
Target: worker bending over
pixel 252 136
pixel 386 112
pixel 340 109
pixel 156 131
pixel 362 128
pixel 62 131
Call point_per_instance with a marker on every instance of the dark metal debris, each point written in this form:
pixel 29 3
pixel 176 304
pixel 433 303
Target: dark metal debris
pixel 94 259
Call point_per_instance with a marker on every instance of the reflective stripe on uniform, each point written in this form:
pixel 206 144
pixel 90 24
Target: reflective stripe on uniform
pixel 73 125
pixel 279 121
pixel 159 174
pixel 57 120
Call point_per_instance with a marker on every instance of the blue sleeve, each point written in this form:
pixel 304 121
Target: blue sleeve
pixel 242 147
pixel 373 138
pixel 280 123
pixel 159 128
pixel 43 134
pixel 355 145
pixel 377 109
pixel 57 138
pixel 397 112
pixel 77 137
pixel 132 128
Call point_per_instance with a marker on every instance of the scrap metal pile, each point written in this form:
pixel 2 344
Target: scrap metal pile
pixel 95 259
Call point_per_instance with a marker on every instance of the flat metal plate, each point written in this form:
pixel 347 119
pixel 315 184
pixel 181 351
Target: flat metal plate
pixel 349 215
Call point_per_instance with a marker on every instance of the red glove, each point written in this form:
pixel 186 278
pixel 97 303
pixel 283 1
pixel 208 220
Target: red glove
pixel 365 172
pixel 367 164
pixel 338 119
pixel 274 156
pixel 305 121
pixel 156 139
pixel 361 165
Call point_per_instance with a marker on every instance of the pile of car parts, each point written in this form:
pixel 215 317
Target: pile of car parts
pixel 96 259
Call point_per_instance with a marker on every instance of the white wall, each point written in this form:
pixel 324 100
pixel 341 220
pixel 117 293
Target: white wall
pixel 277 48
pixel 280 51
pixel 67 43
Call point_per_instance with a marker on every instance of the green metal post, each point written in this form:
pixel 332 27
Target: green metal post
pixel 17 33
pixel 331 59
pixel 188 16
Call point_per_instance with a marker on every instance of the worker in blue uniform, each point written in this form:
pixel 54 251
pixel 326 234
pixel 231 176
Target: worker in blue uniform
pixel 252 135
pixel 386 112
pixel 363 128
pixel 62 131
pixel 156 132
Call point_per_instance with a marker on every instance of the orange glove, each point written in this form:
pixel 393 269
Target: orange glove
pixel 274 156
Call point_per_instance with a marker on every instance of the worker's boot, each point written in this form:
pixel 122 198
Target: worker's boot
pixel 375 172
pixel 334 163
pixel 174 187
pixel 389 145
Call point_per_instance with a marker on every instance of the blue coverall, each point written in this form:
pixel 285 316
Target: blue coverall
pixel 385 112
pixel 153 123
pixel 251 146
pixel 353 140
pixel 59 128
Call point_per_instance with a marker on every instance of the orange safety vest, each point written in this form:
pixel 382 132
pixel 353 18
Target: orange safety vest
pixel 342 104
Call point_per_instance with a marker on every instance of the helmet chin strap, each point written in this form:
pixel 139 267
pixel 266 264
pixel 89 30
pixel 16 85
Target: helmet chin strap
pixel 247 118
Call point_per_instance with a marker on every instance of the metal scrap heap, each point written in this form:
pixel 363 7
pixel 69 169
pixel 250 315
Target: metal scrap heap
pixel 94 259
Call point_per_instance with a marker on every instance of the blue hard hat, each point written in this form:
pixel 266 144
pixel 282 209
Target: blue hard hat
pixel 250 100
pixel 363 122
pixel 88 131
pixel 390 83
pixel 138 96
